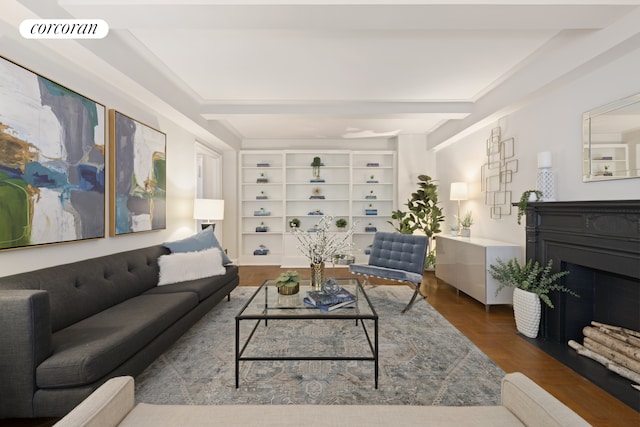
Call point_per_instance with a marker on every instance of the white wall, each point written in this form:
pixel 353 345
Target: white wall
pixel 552 122
pixel 180 166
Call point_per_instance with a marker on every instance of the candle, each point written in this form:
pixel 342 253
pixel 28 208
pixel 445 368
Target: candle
pixel 544 160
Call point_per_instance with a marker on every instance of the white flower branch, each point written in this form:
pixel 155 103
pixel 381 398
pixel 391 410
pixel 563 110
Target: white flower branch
pixel 321 245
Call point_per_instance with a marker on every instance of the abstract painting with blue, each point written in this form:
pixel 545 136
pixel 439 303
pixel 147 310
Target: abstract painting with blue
pixel 138 176
pixel 52 161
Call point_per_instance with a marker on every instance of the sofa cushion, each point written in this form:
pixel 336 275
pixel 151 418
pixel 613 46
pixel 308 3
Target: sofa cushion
pixel 204 287
pixel 81 289
pixel 182 266
pixel 205 239
pixel 318 415
pixel 91 348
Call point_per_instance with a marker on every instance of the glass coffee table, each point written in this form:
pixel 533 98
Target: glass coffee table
pixel 267 305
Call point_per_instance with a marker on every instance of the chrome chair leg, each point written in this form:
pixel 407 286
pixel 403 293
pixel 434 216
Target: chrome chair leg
pixel 413 299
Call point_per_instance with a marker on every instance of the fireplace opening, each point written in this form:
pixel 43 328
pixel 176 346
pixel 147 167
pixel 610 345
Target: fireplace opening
pixel 605 297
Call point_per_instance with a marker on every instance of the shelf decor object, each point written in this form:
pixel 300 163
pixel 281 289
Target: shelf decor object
pixel 370 196
pixel 545 181
pixel 372 180
pixel 262 228
pixel 262 179
pixel 262 250
pixel 263 165
pixel 208 210
pixel 39 157
pixel 315 164
pixel 261 212
pixel 262 196
pixel 373 164
pixel 316 194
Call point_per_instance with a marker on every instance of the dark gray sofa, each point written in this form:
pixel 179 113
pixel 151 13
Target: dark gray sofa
pixel 67 329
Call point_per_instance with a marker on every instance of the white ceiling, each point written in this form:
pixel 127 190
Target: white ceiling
pixel 309 69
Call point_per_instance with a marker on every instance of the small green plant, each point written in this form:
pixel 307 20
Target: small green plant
pixel 341 223
pixel 531 277
pixel 467 220
pixel 288 279
pixel 316 166
pixel 524 199
pixel 294 223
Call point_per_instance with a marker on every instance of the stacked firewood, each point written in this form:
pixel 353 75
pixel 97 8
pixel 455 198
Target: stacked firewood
pixel 615 347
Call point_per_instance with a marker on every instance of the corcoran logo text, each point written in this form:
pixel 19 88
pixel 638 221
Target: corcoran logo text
pixel 64 29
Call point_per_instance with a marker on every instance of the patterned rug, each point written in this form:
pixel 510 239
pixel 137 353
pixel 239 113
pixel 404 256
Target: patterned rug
pixel 424 360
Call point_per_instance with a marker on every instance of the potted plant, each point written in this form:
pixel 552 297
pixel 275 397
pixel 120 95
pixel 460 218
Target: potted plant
pixel 424 213
pixel 341 224
pixel 454 230
pixel 294 223
pixel 288 283
pixel 315 164
pixel 531 283
pixel 527 196
pixel 466 222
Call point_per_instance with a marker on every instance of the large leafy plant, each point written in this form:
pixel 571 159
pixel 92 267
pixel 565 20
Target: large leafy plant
pixel 423 211
pixel 531 277
pixel 423 214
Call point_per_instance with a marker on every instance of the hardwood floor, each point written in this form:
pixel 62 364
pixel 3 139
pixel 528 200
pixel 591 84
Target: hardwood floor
pixel 495 334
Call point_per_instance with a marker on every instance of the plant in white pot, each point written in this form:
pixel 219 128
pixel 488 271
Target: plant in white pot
pixel 532 283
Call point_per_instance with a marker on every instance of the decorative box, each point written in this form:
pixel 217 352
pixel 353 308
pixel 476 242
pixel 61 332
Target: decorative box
pixel 372 181
pixel 261 212
pixel 370 229
pixel 317 180
pixel 370 197
pixel 371 211
pixel 316 197
pixel 262 229
pixel 261 251
pixel 373 164
pixel 263 165
pixel 316 212
pixel 262 180
pixel 261 197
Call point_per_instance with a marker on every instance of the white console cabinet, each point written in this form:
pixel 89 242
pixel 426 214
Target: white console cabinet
pixel 463 262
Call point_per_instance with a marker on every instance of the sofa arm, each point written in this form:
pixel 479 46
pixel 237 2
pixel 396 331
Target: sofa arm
pixel 534 406
pixel 105 407
pixel 25 341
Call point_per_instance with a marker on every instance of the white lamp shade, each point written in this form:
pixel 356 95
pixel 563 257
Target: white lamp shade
pixel 208 209
pixel 458 191
pixel 544 159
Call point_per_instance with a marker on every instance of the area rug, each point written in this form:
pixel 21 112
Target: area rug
pixel 424 360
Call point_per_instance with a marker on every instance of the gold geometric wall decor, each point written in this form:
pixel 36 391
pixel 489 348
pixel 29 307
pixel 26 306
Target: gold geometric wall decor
pixel 497 174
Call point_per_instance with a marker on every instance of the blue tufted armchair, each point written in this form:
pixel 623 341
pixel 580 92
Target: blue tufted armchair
pixel 395 256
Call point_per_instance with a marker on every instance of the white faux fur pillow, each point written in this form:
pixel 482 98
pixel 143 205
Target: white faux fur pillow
pixel 183 266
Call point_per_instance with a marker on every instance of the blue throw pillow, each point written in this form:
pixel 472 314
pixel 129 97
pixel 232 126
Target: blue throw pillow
pixel 198 242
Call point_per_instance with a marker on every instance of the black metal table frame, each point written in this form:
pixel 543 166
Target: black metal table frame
pixel 342 314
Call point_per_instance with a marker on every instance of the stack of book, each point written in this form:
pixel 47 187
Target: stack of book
pixel 329 302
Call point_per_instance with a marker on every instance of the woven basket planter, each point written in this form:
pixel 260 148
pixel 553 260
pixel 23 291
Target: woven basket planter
pixel 527 309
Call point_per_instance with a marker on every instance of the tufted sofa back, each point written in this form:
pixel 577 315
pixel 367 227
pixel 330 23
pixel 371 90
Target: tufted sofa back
pixel 407 252
pixel 83 288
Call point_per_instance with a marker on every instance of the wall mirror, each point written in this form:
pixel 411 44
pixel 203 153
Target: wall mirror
pixel 611 141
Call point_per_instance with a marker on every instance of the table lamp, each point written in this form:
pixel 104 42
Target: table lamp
pixel 458 192
pixel 208 210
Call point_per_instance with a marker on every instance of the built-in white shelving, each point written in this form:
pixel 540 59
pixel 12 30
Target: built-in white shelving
pixel 358 186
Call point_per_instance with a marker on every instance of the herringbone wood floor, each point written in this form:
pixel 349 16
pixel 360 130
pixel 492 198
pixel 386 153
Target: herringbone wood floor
pixel 495 334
